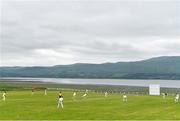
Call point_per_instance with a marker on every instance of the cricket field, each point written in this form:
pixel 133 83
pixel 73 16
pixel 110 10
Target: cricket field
pixel 22 105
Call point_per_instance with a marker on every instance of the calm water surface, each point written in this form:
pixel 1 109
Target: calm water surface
pixel 127 82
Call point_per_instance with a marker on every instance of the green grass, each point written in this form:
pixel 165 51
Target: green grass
pixel 22 105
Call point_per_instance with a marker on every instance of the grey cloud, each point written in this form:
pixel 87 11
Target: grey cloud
pixel 63 32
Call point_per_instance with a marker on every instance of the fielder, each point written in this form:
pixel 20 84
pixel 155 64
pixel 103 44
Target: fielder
pixel 164 96
pixel 60 100
pixel 74 95
pixel 4 96
pixel 177 98
pixel 84 95
pixel 125 98
pixel 45 92
pixel 32 91
pixel 105 94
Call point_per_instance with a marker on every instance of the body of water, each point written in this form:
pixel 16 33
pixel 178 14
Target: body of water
pixel 126 82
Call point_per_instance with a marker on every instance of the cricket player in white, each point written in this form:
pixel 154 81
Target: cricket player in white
pixel 60 100
pixel 105 94
pixel 4 96
pixel 164 96
pixel 124 98
pixel 74 96
pixel 32 91
pixel 177 98
pixel 84 95
pixel 45 92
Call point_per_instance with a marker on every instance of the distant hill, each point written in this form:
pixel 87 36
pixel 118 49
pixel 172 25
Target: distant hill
pixel 166 67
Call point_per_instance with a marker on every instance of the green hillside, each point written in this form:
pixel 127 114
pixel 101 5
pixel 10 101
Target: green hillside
pixel 167 67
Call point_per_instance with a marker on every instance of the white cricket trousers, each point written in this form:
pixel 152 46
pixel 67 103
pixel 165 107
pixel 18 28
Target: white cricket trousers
pixel 60 102
pixel 3 98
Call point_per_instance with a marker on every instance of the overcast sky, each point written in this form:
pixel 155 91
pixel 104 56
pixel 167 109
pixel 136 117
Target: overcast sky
pixel 51 32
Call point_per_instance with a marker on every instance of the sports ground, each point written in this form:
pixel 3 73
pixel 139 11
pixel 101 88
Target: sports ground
pixel 22 105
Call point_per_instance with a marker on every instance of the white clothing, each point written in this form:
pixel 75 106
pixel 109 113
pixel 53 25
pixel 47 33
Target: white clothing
pixel 124 98
pixel 105 94
pixel 177 98
pixel 84 95
pixel 4 96
pixel 60 102
pixel 74 94
pixel 45 92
